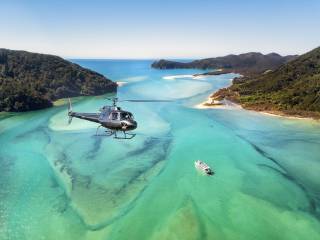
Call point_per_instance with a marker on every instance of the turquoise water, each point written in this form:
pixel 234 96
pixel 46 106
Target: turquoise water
pixel 59 181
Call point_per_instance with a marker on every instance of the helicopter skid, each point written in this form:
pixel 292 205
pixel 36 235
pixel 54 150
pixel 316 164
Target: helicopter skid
pixel 109 133
pixel 125 135
pixel 114 132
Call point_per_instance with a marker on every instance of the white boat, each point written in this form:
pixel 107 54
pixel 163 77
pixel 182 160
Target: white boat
pixel 203 167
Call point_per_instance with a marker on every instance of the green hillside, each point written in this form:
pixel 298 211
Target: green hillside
pixel 30 81
pixel 294 88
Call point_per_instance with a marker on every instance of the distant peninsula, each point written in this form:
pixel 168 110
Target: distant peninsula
pixel 31 81
pixel 245 64
pixel 281 85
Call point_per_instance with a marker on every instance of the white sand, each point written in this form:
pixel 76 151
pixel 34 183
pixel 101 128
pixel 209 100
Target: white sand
pixel 173 77
pixel 285 116
pixel 120 84
pixel 214 104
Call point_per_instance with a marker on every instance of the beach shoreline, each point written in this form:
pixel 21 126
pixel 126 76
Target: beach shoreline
pixel 280 114
pixel 212 102
pixel 235 106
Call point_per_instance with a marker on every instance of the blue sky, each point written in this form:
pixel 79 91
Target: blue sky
pixel 159 29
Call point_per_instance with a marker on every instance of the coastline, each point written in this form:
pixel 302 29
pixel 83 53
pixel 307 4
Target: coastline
pixel 229 105
pixel 280 114
pixel 214 101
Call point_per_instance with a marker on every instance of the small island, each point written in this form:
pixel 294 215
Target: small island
pixel 31 81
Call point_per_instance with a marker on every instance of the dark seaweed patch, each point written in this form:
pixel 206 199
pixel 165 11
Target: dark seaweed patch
pixel 285 174
pixel 312 202
pixel 265 154
pixel 40 129
pixel 6 116
pixel 54 183
pixel 131 204
pixel 149 143
pixel 65 166
pixel 86 181
pixel 95 149
pixel 61 203
pixel 6 165
pixel 202 229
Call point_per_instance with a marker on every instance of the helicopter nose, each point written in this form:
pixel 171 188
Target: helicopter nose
pixel 134 124
pixel 129 125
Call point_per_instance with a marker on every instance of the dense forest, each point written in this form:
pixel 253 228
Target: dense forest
pixel 294 88
pixel 30 81
pixel 247 63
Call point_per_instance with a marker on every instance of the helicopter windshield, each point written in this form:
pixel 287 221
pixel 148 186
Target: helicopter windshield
pixel 114 116
pixel 126 116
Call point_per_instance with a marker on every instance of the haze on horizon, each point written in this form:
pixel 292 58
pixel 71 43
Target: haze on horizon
pixel 159 29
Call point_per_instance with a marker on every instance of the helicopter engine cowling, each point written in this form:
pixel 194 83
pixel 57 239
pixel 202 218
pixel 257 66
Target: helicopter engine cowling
pixel 124 126
pixel 128 125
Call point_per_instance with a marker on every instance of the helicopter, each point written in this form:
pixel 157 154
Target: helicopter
pixel 113 118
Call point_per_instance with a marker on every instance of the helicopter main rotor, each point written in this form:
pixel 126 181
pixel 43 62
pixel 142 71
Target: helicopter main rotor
pixel 116 100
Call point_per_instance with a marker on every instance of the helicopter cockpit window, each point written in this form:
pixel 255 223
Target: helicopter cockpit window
pixel 125 116
pixel 114 116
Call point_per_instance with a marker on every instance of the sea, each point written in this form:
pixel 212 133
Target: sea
pixel 60 181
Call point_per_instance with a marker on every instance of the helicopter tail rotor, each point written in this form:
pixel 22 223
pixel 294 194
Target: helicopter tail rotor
pixel 69 111
pixel 70 120
pixel 69 106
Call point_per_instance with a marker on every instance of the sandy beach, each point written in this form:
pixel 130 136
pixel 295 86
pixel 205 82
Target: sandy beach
pixel 211 103
pixel 283 115
pixel 120 83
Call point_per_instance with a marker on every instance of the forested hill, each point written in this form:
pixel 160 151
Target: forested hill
pixel 247 63
pixel 293 88
pixel 30 81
